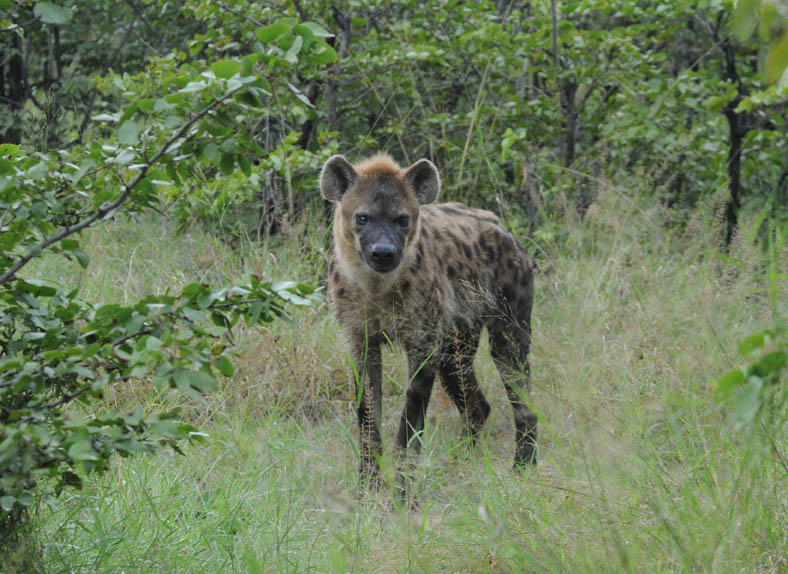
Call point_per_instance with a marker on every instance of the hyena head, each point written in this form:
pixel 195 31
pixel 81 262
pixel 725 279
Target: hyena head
pixel 377 213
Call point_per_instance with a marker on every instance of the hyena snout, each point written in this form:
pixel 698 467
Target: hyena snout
pixel 384 255
pixel 381 250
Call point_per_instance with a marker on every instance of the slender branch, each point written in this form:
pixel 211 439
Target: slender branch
pixel 65 399
pixel 18 26
pixel 151 29
pixel 300 10
pixel 775 449
pixel 473 122
pixel 254 21
pixel 109 207
pixel 554 33
pixel 83 126
pixel 8 383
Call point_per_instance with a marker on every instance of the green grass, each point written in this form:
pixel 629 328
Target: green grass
pixel 640 471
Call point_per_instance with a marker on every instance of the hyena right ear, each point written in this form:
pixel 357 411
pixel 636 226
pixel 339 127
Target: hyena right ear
pixel 336 178
pixel 424 179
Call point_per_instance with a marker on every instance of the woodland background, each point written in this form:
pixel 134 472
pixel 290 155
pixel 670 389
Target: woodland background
pixel 163 242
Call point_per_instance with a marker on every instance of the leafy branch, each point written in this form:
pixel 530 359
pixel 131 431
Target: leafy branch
pixel 107 208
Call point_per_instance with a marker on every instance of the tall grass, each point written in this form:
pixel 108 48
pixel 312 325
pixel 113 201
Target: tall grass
pixel 640 471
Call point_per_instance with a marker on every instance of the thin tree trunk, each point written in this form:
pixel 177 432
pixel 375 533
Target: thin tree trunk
pixel 735 137
pixel 736 133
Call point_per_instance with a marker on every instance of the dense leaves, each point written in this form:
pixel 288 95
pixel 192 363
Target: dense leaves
pixel 759 386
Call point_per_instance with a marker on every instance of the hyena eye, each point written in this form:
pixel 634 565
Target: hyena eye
pixel 403 220
pixel 362 219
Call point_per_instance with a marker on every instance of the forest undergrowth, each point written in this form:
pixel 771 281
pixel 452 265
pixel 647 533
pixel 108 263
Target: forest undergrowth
pixel 640 470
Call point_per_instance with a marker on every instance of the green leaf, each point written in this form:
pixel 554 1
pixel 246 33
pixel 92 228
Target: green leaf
pixel 210 151
pixel 167 428
pixel 748 402
pixel 769 364
pixel 38 171
pixel 325 54
pixel 225 366
pixel 125 157
pixel 777 60
pixel 202 381
pixel 85 167
pixel 193 383
pixel 193 314
pixel 305 32
pixel 271 33
pixel 82 450
pixel 744 19
pixel 318 30
pixel 727 383
pixel 109 310
pixel 6 167
pixel 82 258
pixel 6 4
pixel 71 479
pixel 7 503
pixel 227 163
pixel 292 54
pixel 225 69
pixel 247 65
pixel 146 105
pixel 51 14
pixel 128 132
pixel 246 166
pixel 752 342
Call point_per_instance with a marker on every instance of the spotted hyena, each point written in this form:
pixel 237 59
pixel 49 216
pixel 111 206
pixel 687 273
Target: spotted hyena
pixel 428 276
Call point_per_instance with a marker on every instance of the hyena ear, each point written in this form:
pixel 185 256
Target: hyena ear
pixel 424 179
pixel 336 178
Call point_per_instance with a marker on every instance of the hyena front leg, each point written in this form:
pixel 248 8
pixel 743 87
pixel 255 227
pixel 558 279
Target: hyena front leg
pixel 368 378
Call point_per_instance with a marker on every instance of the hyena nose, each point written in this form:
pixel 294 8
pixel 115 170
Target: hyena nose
pixel 382 253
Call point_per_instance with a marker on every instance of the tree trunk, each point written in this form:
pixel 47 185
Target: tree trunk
pixel 16 91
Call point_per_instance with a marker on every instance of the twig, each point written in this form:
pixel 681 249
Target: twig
pixel 300 10
pixel 83 126
pixel 554 33
pixel 775 450
pixel 254 21
pixel 151 29
pixel 473 122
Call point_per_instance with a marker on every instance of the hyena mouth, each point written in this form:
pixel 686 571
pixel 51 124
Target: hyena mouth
pixel 382 266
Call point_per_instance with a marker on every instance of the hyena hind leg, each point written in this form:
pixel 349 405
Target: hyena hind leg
pixel 417 399
pixel 509 349
pixel 459 378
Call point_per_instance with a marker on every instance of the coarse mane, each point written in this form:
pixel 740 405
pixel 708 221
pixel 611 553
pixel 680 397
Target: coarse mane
pixel 381 163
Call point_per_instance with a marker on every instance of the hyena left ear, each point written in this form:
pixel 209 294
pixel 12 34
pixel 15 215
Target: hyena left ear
pixel 336 178
pixel 424 179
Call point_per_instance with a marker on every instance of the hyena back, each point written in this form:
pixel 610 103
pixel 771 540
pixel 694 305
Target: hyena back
pixel 429 277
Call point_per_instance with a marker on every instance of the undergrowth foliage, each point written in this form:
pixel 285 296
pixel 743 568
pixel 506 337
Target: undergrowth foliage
pixel 55 348
pixel 58 349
